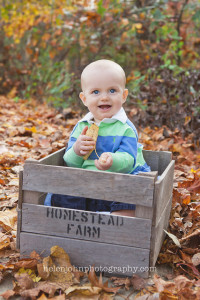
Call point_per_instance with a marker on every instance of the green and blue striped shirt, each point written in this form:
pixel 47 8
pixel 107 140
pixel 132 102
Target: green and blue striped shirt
pixel 116 135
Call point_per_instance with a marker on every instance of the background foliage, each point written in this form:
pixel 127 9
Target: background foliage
pixel 44 45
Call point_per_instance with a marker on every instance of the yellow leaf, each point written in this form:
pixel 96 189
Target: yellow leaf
pixel 137 26
pixel 32 129
pixel 8 219
pixel 86 290
pixel 30 272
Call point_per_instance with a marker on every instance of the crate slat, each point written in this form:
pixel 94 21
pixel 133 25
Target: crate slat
pixel 55 158
pixel 121 260
pixel 157 160
pixel 90 184
pixel 163 191
pixel 158 233
pixel 86 225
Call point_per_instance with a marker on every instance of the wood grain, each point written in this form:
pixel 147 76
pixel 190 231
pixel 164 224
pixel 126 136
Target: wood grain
pixel 86 225
pixel 158 233
pixel 163 191
pixel 90 184
pixel 55 158
pixel 157 160
pixel 108 258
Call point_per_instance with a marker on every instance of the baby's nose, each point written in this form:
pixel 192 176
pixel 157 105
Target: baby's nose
pixel 104 96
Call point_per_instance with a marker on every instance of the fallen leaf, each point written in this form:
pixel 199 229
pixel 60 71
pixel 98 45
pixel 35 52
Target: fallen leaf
pixel 8 219
pixel 174 238
pixel 86 290
pixel 196 259
pixel 137 282
pixel 9 293
pixel 99 282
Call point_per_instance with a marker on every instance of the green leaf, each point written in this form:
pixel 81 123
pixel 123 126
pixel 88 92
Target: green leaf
pixel 101 10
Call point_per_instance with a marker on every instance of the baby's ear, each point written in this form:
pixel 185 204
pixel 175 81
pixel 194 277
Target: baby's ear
pixel 82 97
pixel 125 95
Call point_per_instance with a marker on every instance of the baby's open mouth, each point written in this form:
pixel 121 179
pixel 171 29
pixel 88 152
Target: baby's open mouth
pixel 104 107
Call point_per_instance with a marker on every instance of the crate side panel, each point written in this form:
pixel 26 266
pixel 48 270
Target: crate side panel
pixel 163 191
pixel 158 233
pixel 19 223
pixel 90 184
pixel 108 258
pixel 157 160
pixel 55 158
pixel 86 225
pixel 165 158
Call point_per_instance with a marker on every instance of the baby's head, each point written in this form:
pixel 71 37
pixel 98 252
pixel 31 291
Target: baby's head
pixel 103 88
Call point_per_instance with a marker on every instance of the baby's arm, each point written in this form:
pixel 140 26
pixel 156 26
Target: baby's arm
pixel 84 143
pixel 78 147
pixel 124 158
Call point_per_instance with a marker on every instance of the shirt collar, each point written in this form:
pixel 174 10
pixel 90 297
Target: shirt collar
pixel 119 116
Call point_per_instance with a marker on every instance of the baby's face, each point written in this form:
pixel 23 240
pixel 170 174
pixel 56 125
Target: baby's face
pixel 103 92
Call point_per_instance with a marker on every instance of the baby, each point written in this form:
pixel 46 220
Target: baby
pixel 117 148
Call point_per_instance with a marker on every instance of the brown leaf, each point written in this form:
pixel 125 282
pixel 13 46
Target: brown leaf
pixel 59 297
pixel 8 219
pixel 9 293
pixel 47 287
pixel 161 284
pixel 24 281
pixel 27 263
pixel 35 255
pixel 83 292
pixel 186 257
pixel 121 281
pixel 57 268
pixel 137 282
pixel 196 259
pixel 98 283
pixel 183 282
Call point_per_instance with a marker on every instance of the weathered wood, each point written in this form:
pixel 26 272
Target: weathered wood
pixel 123 243
pixel 158 233
pixel 106 258
pixel 150 174
pixel 163 191
pixel 55 158
pixel 19 212
pixel 20 195
pixel 96 184
pixel 19 223
pixel 33 197
pixel 144 212
pixel 86 225
pixel 157 160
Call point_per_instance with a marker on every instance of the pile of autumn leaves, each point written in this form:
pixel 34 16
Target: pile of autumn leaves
pixel 29 130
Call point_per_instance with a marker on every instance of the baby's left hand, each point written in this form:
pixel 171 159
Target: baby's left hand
pixel 104 162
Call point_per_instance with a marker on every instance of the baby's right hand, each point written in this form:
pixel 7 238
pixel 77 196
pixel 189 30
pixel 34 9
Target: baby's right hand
pixel 84 143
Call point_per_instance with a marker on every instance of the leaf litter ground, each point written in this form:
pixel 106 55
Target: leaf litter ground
pixel 32 130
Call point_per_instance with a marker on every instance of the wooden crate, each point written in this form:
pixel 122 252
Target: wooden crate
pixel 113 244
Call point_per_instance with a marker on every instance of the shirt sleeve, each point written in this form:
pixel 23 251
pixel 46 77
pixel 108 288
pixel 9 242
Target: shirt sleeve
pixel 124 158
pixel 70 157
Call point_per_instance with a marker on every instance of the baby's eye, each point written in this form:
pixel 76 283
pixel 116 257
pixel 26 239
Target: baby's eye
pixel 95 92
pixel 112 91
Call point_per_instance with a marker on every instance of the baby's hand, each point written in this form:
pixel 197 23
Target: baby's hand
pixel 84 143
pixel 104 162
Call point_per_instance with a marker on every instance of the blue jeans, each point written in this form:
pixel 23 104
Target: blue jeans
pixel 88 204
